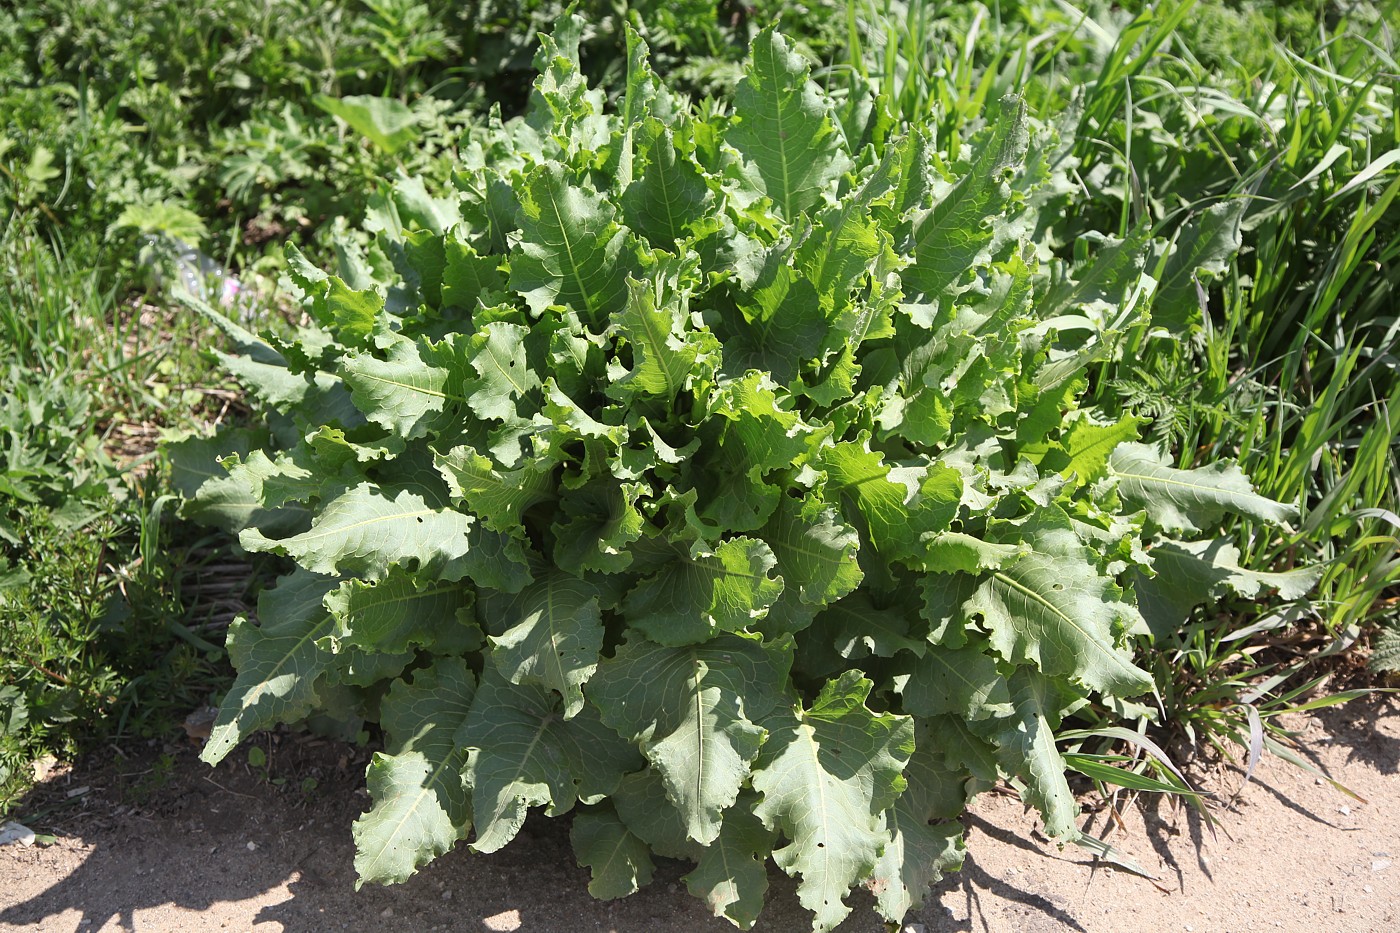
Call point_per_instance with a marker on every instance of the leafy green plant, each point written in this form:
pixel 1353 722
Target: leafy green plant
pixel 720 475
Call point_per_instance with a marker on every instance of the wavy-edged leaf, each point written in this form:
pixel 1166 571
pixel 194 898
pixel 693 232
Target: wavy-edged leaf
pixel 962 682
pixel 1189 500
pixel 816 556
pixel 1053 608
pixel 827 777
pixel 671 198
pixel 412 392
pixel 552 637
pixel 278 662
pixel 523 753
pixel 731 873
pixel 957 233
pixel 368 528
pixel 420 807
pixel 791 147
pixel 1026 748
pixel 1188 573
pixel 496 497
pixel 618 861
pixel 920 850
pixel 401 612
pixel 571 252
pixel 699 594
pixel 694 710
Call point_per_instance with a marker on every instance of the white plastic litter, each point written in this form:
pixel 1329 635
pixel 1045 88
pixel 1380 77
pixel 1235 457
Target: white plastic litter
pixel 16 832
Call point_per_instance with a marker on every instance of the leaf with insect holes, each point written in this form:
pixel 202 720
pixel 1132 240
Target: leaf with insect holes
pixel 826 777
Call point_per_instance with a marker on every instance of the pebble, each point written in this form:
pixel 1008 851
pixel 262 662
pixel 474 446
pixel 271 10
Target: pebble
pixel 252 847
pixel 447 895
pixel 1367 888
pixel 503 922
pixel 1344 811
pixel 387 912
pixel 1380 864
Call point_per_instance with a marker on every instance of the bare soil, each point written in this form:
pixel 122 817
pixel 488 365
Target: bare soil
pixel 160 842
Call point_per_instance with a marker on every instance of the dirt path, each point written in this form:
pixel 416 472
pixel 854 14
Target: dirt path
pixel 166 844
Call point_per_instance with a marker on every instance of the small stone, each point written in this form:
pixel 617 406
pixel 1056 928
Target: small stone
pixel 1380 864
pixel 387 912
pixel 1367 888
pixel 504 922
pixel 1344 811
pixel 914 928
pixel 1189 928
pixel 447 895
pixel 252 847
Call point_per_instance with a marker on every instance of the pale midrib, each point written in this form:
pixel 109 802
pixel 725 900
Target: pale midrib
pixel 429 787
pixel 1032 594
pixel 409 386
pixel 782 144
pixel 826 848
pixel 343 529
pixel 569 251
pixel 1210 491
pixel 657 344
pixel 251 697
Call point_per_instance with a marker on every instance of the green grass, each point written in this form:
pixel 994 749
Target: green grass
pixel 1289 111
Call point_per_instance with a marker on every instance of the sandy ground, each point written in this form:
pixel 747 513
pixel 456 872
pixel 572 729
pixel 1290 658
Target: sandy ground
pixel 163 843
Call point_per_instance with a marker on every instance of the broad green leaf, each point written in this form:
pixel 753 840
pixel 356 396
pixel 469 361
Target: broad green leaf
pixel 747 437
pixel 1103 283
pixel 792 149
pixel 855 628
pixel 897 508
pixel 920 850
pixel 497 498
pixel 278 662
pixel 368 528
pixel 644 97
pixel 1204 246
pixel 386 122
pixel 1084 449
pixel 697 595
pixel 503 374
pixel 664 349
pixel 469 277
pixel 731 873
pixel 956 552
pixel 618 861
pixel 571 252
pixel 524 753
pixel 552 637
pixel 957 233
pixel 1053 608
pixel 641 802
pixel 598 523
pixel 963 682
pixel 401 612
pixel 1189 573
pixel 413 392
pixel 694 712
pixel 311 400
pixel 420 806
pixel 827 777
pixel 670 198
pixel 1189 500
pixel 1026 748
pixel 816 553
